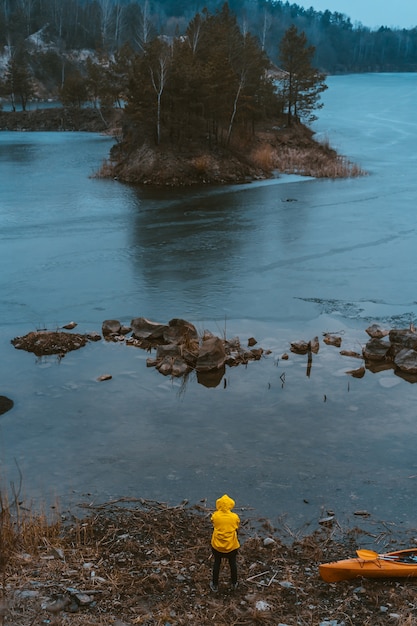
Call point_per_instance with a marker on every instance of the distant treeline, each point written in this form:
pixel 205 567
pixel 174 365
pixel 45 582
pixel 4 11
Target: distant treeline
pixel 108 25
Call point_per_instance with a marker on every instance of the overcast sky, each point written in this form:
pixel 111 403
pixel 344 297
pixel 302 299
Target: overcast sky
pixel 372 13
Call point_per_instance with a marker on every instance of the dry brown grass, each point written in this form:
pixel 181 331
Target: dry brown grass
pixel 315 162
pixel 106 170
pixel 264 157
pixel 201 163
pixel 140 562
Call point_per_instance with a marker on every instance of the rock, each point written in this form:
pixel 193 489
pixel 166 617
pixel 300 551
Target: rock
pixel 261 605
pixel 93 336
pixel 145 329
pixel 26 593
pixel 82 598
pixel 376 332
pixel 104 377
pixel 168 350
pixel 300 347
pixel 376 350
pixel 57 606
pixel 268 541
pixel 70 325
pixel 252 342
pixel 211 356
pixel 58 553
pixel 406 361
pixel 180 331
pixel 332 340
pixel 402 338
pixel 110 327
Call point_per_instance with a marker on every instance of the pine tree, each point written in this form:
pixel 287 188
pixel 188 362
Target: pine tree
pixel 18 84
pixel 302 85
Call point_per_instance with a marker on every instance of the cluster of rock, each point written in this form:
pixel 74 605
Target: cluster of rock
pixel 386 349
pixel 395 348
pixel 180 349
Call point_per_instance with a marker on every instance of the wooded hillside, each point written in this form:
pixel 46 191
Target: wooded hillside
pixel 55 29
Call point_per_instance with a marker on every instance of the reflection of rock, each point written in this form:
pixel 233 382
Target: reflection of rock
pixel 358 373
pixel 314 345
pixel 402 338
pixel 302 347
pixel 376 350
pixel 351 353
pixel 406 361
pixel 211 379
pixel 5 404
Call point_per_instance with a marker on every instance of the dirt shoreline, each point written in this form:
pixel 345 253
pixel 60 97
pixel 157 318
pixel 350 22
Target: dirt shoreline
pixel 133 561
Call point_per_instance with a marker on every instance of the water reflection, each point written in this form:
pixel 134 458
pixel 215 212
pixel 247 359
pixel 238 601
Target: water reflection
pixel 191 245
pixel 19 152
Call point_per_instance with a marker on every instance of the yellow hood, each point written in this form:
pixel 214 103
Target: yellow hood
pixel 225 503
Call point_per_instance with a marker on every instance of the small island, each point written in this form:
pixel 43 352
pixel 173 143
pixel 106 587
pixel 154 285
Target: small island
pixel 209 107
pixel 200 108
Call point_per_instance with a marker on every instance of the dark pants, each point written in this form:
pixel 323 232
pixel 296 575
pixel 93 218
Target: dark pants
pixel 231 557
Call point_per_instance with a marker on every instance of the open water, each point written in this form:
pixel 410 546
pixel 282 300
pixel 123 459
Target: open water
pixel 280 260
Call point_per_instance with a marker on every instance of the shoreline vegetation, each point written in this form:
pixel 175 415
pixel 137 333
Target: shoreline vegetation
pixel 134 561
pixel 267 153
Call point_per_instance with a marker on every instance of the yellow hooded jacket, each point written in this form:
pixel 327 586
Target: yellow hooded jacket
pixel 225 523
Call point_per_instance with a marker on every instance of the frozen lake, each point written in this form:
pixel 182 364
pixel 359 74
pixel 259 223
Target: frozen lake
pixel 242 261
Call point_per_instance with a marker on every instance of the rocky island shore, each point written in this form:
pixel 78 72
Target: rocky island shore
pixel 269 152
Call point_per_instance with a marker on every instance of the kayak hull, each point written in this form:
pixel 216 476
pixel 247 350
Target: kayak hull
pixel 389 565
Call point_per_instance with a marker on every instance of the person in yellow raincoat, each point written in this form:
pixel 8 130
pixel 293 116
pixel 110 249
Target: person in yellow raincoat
pixel 224 540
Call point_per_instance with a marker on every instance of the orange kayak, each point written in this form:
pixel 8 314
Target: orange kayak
pixel 369 564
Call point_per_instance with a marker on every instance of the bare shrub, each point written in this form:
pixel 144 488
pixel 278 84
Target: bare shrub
pixel 264 157
pixel 201 163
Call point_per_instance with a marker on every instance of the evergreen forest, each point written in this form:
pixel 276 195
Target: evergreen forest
pixel 107 25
